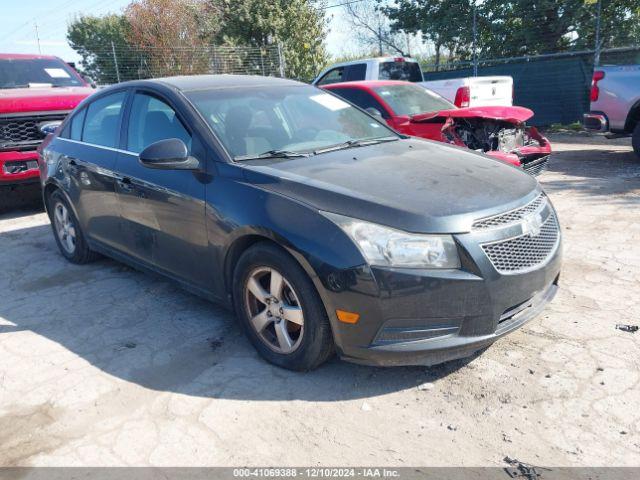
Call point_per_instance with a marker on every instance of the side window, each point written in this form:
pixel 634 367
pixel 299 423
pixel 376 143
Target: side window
pixel 361 98
pixel 102 120
pixel 75 125
pixel 332 76
pixel 356 72
pixel 152 120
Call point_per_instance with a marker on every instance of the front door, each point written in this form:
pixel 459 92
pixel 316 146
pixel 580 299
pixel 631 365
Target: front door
pixel 163 211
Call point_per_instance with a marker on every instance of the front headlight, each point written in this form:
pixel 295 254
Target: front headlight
pixel 384 246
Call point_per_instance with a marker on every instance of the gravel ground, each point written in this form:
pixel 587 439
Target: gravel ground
pixel 103 365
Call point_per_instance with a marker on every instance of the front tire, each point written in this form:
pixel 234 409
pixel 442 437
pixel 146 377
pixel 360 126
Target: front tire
pixel 67 232
pixel 280 310
pixel 635 140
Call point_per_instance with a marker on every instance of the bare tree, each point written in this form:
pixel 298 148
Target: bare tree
pixel 371 28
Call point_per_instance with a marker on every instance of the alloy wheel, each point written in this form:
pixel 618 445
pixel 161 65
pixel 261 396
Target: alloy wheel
pixel 274 310
pixel 65 229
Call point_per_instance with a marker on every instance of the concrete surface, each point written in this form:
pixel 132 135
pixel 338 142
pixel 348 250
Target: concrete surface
pixel 103 365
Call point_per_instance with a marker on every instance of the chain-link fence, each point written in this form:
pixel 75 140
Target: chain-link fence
pixel 115 63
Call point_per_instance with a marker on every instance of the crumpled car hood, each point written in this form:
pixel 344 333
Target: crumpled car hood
pixel 507 114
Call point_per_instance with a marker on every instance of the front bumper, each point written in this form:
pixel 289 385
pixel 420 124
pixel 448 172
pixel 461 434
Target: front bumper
pixel 18 167
pixel 426 317
pixel 532 158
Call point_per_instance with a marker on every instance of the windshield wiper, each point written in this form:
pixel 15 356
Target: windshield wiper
pixel 355 143
pixel 271 154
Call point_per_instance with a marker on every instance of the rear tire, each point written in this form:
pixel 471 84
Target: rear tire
pixel 280 309
pixel 635 140
pixel 67 232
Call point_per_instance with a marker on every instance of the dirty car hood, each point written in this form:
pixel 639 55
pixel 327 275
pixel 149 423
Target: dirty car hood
pixel 507 114
pixel 414 185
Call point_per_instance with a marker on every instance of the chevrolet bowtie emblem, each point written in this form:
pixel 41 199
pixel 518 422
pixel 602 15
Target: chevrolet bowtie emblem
pixel 531 224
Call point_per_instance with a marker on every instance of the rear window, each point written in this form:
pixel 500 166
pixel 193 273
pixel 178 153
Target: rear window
pixel 102 120
pixel 21 73
pixel 407 71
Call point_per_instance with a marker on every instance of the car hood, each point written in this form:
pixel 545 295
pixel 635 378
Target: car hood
pixel 18 100
pixel 507 114
pixel 414 185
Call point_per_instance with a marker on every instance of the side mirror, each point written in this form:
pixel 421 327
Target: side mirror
pixel 373 112
pixel 169 154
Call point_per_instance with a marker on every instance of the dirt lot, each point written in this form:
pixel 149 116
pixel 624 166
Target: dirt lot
pixel 102 365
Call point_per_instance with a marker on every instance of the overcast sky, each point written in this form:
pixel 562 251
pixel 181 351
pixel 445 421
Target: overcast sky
pixel 19 19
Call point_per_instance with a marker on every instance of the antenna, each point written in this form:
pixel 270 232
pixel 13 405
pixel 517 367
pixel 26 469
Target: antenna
pixel 35 24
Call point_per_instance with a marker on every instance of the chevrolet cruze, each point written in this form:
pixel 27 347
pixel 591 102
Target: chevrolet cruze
pixel 324 229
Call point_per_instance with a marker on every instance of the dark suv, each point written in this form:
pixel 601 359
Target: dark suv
pixel 324 229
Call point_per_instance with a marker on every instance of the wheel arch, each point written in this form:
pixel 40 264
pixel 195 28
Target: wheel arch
pixel 48 190
pixel 245 241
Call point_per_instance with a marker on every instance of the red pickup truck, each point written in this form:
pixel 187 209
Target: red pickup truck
pixel 36 93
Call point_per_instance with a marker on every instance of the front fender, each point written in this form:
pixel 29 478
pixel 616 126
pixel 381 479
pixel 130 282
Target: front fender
pixel 238 211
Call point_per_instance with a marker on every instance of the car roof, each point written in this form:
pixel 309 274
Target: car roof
pixel 25 56
pixel 207 82
pixel 367 84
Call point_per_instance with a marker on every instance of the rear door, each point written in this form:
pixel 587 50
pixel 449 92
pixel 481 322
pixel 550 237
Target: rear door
pixel 163 210
pixel 355 72
pixel 88 147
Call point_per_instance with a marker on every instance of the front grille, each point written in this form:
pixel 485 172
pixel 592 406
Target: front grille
pixel 525 252
pixel 536 167
pixel 512 216
pixel 24 131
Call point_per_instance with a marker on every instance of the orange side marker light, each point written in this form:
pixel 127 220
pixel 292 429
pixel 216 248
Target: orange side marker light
pixel 347 317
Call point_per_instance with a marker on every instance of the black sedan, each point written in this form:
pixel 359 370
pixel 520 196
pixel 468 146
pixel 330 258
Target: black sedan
pixel 324 229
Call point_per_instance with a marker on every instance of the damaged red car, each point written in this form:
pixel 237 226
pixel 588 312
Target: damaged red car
pixel 500 132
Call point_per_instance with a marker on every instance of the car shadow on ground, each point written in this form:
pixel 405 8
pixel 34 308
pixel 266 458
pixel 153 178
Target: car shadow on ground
pixel 146 330
pixel 594 173
pixel 20 201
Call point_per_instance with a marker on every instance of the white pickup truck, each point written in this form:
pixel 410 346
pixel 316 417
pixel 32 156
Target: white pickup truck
pixel 463 92
pixel 615 103
pixel 474 91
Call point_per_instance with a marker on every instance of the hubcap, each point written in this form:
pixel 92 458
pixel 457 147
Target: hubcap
pixel 65 229
pixel 274 310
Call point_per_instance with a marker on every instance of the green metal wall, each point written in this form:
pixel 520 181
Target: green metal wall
pixel 556 89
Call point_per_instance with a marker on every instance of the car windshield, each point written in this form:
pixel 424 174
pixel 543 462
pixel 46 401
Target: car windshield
pixel 285 120
pixel 412 99
pixel 20 73
pixel 407 71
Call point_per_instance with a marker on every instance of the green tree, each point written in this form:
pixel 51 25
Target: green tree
pixel 92 38
pixel 517 27
pixel 444 23
pixel 529 27
pixel 299 25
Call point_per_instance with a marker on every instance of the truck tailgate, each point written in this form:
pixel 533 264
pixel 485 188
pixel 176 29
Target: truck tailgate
pixel 491 91
pixel 483 91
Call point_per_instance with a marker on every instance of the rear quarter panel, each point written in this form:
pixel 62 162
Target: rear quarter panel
pixel 619 92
